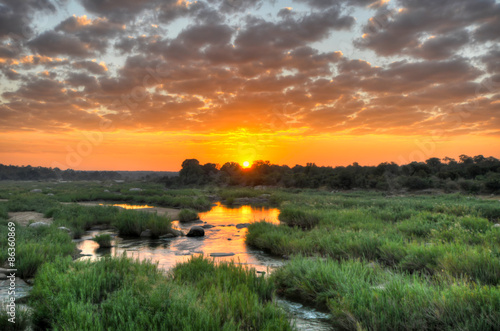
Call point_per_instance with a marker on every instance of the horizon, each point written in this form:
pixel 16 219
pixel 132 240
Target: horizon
pixel 250 164
pixel 142 86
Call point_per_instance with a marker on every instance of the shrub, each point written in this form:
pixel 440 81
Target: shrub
pixel 187 215
pixel 295 217
pixel 104 240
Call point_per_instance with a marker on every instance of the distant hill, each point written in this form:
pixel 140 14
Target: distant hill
pixel 146 174
pixel 12 172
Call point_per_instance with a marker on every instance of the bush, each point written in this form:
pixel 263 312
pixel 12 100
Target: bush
pixel 187 215
pixel 104 240
pixel 295 217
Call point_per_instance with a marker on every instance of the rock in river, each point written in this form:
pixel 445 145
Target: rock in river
pixel 38 224
pixel 196 231
pixel 242 225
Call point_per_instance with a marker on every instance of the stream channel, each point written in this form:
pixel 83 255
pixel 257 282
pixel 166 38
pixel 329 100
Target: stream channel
pixel 224 240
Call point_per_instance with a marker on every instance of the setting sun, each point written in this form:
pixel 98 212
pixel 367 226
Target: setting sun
pixel 246 164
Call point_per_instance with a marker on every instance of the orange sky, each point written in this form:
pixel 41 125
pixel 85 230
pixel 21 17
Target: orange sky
pixel 166 151
pixel 143 85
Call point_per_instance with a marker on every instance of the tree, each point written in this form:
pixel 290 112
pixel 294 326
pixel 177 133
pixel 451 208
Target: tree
pixel 191 172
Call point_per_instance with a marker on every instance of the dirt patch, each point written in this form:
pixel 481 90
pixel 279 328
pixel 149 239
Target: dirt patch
pixel 169 212
pixel 24 217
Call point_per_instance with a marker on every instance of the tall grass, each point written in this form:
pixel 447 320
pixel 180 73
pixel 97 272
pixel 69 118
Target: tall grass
pixel 360 297
pixel 187 215
pixel 35 246
pixel 121 294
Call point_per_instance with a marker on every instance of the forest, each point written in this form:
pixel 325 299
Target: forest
pixel 477 174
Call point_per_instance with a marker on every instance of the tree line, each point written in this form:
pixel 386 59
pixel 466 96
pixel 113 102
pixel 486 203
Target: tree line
pixel 12 172
pixel 468 174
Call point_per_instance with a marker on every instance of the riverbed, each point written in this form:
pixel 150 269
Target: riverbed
pixel 225 229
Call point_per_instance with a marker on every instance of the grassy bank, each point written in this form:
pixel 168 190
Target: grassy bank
pixel 361 254
pixel 121 294
pixel 34 247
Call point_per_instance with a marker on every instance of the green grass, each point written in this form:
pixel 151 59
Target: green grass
pixel 104 240
pixel 22 320
pixel 34 247
pixel 121 294
pixel 187 215
pixel 389 263
pixel 296 217
pixel 360 297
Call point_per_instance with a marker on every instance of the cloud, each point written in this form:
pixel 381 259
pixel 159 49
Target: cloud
pixel 15 16
pixel 52 43
pixel 393 31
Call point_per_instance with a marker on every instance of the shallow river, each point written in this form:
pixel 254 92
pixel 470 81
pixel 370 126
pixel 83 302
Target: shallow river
pixel 224 234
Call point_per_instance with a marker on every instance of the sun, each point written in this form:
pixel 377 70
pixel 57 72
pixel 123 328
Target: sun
pixel 246 164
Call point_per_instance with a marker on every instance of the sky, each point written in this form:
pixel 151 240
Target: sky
pixel 145 84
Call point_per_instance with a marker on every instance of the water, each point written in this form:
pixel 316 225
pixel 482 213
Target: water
pixel 224 234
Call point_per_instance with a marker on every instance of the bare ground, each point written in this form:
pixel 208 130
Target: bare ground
pixel 24 217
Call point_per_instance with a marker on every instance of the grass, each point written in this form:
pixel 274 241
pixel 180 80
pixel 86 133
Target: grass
pixel 360 297
pixel 22 320
pixel 296 217
pixel 380 262
pixel 35 246
pixel 121 294
pixel 104 240
pixel 187 215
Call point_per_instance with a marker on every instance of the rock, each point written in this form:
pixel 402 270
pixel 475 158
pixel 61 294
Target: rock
pixel 221 254
pixel 208 226
pixel 50 194
pixel 135 189
pixel 37 190
pixel 106 191
pixel 177 233
pixel 496 225
pixel 242 225
pixel 146 233
pixel 229 239
pixel 196 231
pixel 38 224
pixel 63 228
pixel 261 272
pixel 168 235
pixel 184 252
pixel 3 276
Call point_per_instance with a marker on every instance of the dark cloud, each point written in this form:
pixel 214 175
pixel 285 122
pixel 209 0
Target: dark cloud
pixel 120 10
pixel 330 3
pixel 90 66
pixel 52 43
pixel 399 31
pixel 15 16
pixel 228 64
pixel 441 47
pixel 492 60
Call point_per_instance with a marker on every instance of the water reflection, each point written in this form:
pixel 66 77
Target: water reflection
pixel 126 206
pixel 225 230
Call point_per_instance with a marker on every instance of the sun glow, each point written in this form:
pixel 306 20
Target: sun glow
pixel 246 164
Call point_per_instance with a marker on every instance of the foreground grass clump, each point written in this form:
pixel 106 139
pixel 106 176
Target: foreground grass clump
pixel 295 217
pixel 35 246
pixel 390 263
pixel 362 297
pixel 121 294
pixel 104 240
pixel 187 215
